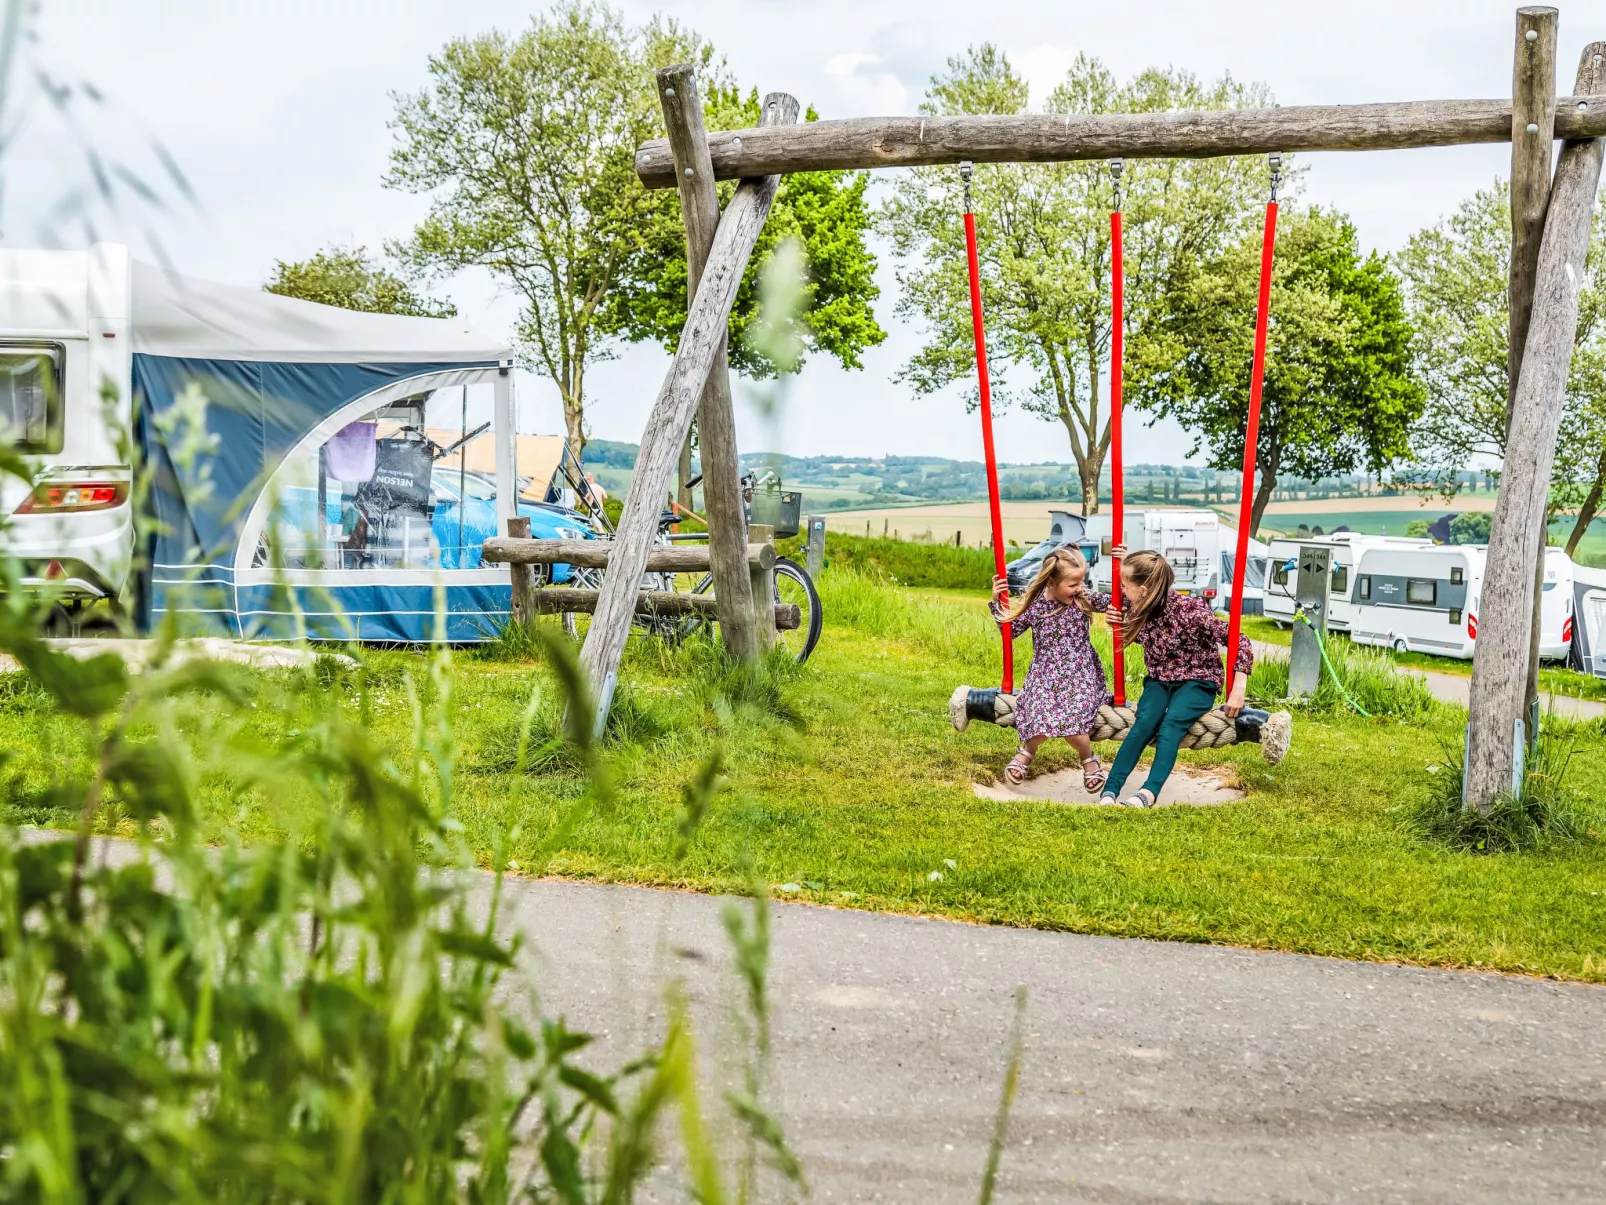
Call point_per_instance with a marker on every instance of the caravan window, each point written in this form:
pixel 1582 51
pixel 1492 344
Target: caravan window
pixel 1421 593
pixel 30 396
pixel 1364 583
pixel 1341 579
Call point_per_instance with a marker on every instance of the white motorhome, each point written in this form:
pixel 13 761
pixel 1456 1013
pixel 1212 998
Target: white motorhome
pixel 66 348
pixel 1192 541
pixel 1345 547
pixel 1587 651
pixel 1426 600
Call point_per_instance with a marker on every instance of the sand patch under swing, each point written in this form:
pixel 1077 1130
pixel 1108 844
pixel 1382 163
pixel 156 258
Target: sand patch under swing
pixel 1189 784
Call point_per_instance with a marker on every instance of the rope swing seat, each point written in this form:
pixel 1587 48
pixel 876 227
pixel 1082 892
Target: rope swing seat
pixel 1273 732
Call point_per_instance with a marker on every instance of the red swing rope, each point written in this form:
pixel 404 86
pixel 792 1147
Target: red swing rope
pixel 1008 684
pixel 1117 360
pixel 1257 378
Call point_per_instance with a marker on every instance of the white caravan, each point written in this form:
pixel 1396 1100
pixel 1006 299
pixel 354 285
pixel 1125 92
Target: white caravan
pixel 1345 547
pixel 66 350
pixel 1426 600
pixel 1588 645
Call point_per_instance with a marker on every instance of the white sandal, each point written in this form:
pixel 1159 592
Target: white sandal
pixel 1018 765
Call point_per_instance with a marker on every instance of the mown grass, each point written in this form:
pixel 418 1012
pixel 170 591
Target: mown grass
pixel 844 780
pixel 917 563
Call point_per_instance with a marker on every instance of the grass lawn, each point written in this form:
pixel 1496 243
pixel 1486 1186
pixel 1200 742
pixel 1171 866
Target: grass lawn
pixel 845 785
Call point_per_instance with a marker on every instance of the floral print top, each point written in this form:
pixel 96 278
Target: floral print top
pixel 1183 641
pixel 1065 686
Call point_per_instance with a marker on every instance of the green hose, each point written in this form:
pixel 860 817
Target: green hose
pixel 1321 645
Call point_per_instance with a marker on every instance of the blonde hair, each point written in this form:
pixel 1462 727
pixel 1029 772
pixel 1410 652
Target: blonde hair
pixel 1054 567
pixel 1153 574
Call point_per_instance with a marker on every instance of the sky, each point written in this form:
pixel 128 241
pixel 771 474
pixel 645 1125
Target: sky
pixel 276 113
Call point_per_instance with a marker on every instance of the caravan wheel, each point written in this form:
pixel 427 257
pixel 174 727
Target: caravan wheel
pixel 1400 646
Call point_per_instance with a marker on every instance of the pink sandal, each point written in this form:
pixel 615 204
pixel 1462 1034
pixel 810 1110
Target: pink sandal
pixel 1093 779
pixel 1018 765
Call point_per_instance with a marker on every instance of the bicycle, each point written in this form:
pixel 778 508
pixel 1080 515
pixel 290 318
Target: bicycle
pixel 792 581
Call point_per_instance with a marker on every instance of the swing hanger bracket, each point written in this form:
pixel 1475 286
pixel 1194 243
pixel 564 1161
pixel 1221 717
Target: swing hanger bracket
pixel 1117 166
pixel 965 170
pixel 1275 159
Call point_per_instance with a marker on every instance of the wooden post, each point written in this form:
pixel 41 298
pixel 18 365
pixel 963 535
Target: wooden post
pixel 1499 664
pixel 701 341
pixel 1533 124
pixel 518 527
pixel 763 584
pixel 716 421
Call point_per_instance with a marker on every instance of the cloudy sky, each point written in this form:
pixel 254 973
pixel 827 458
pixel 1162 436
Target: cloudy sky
pixel 277 114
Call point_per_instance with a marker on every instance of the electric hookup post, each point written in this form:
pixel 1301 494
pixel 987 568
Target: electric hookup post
pixel 816 545
pixel 1311 586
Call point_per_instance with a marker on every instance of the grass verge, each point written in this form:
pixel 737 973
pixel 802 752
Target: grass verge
pixel 844 780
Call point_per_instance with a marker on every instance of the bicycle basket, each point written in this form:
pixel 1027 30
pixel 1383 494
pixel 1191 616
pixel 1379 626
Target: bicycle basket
pixel 783 511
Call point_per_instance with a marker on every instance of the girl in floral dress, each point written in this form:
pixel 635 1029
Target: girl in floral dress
pixel 1065 687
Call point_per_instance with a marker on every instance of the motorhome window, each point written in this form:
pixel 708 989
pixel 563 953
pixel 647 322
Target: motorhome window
pixel 1456 577
pixel 1421 593
pixel 1279 575
pixel 1341 579
pixel 30 396
pixel 1364 582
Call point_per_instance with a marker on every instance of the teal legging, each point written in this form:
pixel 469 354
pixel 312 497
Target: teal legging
pixel 1166 710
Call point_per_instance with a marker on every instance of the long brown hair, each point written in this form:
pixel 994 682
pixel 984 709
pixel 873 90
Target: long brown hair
pixel 1153 574
pixel 1055 566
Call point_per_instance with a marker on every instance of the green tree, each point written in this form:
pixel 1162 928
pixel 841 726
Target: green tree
pixel 826 212
pixel 348 278
pixel 1044 243
pixel 1417 529
pixel 1471 527
pixel 1338 392
pixel 525 146
pixel 1455 274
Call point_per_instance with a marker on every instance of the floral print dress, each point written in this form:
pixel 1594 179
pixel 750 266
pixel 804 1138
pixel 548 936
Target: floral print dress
pixel 1065 687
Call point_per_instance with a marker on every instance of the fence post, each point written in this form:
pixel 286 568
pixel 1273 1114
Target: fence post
pixel 763 580
pixel 518 528
pixel 816 545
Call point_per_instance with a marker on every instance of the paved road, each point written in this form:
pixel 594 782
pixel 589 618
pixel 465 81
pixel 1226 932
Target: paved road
pixel 1455 688
pixel 1154 1072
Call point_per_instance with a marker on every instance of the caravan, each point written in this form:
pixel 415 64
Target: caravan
pixel 1426 600
pixel 1587 646
pixel 1345 547
pixel 311 466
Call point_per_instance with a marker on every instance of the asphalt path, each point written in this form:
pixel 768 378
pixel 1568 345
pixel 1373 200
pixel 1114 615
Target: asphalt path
pixel 1152 1072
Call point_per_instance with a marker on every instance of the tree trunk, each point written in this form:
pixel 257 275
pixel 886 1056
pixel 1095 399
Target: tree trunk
pixel 1591 506
pixel 574 424
pixel 1267 487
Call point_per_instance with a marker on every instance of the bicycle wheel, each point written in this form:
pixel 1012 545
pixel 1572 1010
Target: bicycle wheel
pixel 793 585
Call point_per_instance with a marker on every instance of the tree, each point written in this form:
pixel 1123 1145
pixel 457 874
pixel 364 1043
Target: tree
pixel 1044 243
pixel 1338 394
pixel 348 278
pixel 526 147
pixel 1455 275
pixel 1417 529
pixel 1471 527
pixel 825 212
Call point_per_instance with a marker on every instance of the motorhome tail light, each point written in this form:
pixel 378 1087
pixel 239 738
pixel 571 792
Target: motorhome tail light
pixel 1567 630
pixel 1472 625
pixel 66 497
pixel 1211 593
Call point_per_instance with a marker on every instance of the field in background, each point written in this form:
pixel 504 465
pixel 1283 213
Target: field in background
pixel 1025 523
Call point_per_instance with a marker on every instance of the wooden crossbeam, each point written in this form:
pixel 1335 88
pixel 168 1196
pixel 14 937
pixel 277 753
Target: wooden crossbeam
pixel 595 554
pixel 569 600
pixel 862 142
